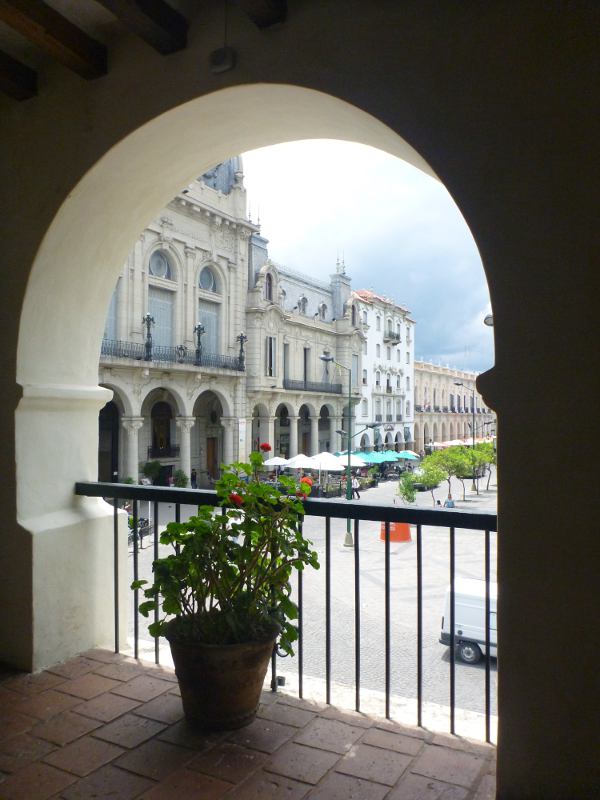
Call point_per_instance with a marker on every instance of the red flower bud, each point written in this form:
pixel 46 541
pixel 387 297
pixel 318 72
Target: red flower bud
pixel 236 499
pixel 301 495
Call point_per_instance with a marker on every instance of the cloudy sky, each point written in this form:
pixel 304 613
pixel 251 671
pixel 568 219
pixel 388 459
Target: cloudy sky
pixel 399 233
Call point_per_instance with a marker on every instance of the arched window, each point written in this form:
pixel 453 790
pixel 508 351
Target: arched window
pixel 302 303
pixel 160 265
pixel 364 377
pixel 354 316
pixel 364 317
pixel 377 378
pixel 377 323
pixel 269 287
pixel 322 311
pixel 408 409
pixel 208 280
pixel 161 416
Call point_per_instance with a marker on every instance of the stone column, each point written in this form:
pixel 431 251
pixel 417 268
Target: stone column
pixel 314 436
pixel 228 429
pixel 335 439
pixel 270 436
pixel 131 425
pixel 293 436
pixel 185 425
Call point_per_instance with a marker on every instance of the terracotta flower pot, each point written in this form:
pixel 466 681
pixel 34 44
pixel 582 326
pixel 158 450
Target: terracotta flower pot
pixel 221 684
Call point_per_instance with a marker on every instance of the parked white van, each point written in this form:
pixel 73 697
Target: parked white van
pixel 469 619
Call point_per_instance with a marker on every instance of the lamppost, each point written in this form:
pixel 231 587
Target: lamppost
pixel 348 541
pixel 148 321
pixel 472 390
pixel 199 330
pixel 242 339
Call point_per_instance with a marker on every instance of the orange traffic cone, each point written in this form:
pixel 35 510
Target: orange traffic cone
pixel 399 532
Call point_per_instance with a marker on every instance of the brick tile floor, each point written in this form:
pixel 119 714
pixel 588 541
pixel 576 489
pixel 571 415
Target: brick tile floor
pixel 105 726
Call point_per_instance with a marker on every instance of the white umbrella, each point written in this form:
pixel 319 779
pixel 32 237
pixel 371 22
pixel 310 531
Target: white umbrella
pixel 327 462
pixel 355 461
pixel 276 461
pixel 301 462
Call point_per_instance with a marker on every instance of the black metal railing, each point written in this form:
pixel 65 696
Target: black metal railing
pixel 389 417
pixel 391 336
pixel 378 418
pixel 429 526
pixel 398 417
pixel 113 348
pixel 312 386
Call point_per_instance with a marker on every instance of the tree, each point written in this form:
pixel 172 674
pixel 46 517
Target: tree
pixel 180 479
pixel 151 470
pixel 406 487
pixel 486 456
pixel 431 476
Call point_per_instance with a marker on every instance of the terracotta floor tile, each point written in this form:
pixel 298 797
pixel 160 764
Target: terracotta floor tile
pixel 74 668
pixel 108 783
pixel 449 765
pixel 301 763
pixel 228 762
pixel 267 786
pixel 297 702
pixel 143 688
pixel 103 656
pixel 33 684
pixel 65 728
pixel 392 741
pixel 121 670
pixel 12 724
pixel 21 750
pixel 329 734
pixel 47 704
pixel 405 730
pixel 336 786
pixel 155 759
pixel 263 734
pixel 487 788
pixel 183 734
pixel 88 686
pixel 107 707
pixel 164 708
pixel 373 764
pixel 83 756
pixel 129 730
pixel 417 787
pixel 35 782
pixel 188 785
pixel 288 715
pixel 354 718
pixel 157 671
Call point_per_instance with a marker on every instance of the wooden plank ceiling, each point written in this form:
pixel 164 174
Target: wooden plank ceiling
pixel 156 22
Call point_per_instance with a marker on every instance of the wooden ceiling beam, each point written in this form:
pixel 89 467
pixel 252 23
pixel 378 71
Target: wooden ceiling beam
pixel 16 80
pixel 55 35
pixel 265 13
pixel 154 21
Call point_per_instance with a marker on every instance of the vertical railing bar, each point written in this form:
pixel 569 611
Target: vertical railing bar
pixel 357 613
pixel 274 651
pixel 136 592
pixel 487 640
pixel 116 570
pixel 419 626
pixel 156 605
pixel 452 626
pixel 177 512
pixel 328 610
pixel 300 633
pixel 387 622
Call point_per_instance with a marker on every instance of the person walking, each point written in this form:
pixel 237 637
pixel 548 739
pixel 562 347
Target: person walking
pixel 355 487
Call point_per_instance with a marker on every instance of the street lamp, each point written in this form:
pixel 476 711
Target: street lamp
pixel 329 359
pixel 199 330
pixel 472 390
pixel 242 339
pixel 148 321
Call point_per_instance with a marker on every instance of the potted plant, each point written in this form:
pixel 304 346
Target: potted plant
pixel 151 470
pixel 225 593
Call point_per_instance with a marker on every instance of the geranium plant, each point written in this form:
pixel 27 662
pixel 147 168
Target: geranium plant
pixel 228 578
pixel 265 447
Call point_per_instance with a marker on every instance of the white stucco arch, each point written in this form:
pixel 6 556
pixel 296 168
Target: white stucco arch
pixel 166 394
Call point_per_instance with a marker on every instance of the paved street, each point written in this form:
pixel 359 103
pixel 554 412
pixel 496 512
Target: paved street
pixel 469 563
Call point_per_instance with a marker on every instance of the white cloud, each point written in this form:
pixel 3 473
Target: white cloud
pixel 399 231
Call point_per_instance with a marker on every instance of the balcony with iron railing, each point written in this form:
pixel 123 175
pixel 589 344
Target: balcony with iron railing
pixel 398 417
pixel 170 451
pixel 378 418
pixel 138 351
pixel 391 336
pixel 312 386
pixel 389 417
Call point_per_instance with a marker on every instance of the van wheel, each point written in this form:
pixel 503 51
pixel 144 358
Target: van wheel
pixel 468 652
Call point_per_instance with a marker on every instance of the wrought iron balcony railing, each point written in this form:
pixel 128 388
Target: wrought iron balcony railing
pixel 318 622
pixel 114 348
pixel 172 451
pixel 391 336
pixel 312 386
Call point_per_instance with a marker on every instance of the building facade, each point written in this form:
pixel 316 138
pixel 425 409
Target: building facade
pixel 387 377
pixel 210 348
pixel 448 407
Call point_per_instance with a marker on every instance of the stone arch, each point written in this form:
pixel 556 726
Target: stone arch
pixel 418 438
pixel 399 441
pixel 169 394
pixel 261 431
pixel 208 437
pixel 444 433
pixel 389 439
pixel 365 441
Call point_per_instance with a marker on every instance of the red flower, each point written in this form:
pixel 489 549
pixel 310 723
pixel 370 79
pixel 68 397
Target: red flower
pixel 236 499
pixel 265 447
pixel 307 480
pixel 301 495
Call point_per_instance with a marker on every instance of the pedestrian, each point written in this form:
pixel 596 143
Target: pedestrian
pixel 194 479
pixel 449 502
pixel 355 487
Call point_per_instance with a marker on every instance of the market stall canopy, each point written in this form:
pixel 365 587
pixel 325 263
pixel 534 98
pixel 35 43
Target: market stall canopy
pixel 276 461
pixel 327 462
pixel 301 462
pixel 407 454
pixel 355 461
pixel 390 455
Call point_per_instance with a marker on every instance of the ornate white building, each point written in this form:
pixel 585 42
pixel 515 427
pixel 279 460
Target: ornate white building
pixel 446 403
pixel 210 348
pixel 387 381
